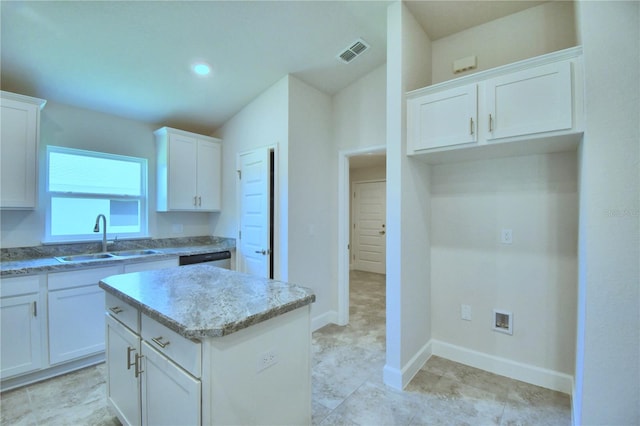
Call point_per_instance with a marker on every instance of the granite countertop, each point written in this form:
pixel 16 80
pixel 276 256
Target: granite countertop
pixel 42 259
pixel 199 301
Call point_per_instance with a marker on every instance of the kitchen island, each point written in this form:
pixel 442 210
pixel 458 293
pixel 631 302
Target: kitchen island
pixel 204 345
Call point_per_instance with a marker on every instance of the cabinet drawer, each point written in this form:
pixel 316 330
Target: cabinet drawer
pixel 62 280
pixel 19 285
pixel 122 311
pixel 150 266
pixel 184 352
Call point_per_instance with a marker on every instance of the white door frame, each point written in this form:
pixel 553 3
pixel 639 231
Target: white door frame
pixel 344 220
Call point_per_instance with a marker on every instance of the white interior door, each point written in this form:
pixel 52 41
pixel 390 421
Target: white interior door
pixel 369 229
pixel 254 212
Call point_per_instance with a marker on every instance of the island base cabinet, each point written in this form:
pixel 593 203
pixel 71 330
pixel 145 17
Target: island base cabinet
pixel 261 374
pixel 123 387
pixel 170 396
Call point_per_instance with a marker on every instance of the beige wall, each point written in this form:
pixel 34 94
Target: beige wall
pixel 532 32
pixel 534 277
pixel 359 112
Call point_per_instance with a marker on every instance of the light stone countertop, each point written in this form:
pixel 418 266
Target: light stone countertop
pixel 42 259
pixel 199 301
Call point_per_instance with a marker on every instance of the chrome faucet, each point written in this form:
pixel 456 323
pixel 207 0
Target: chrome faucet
pixel 104 230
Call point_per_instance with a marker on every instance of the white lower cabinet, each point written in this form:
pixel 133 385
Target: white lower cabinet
pixel 76 313
pixel 21 324
pixel 144 386
pixel 170 396
pixel 123 386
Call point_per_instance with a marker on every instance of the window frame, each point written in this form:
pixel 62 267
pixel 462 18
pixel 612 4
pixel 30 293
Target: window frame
pixel 143 198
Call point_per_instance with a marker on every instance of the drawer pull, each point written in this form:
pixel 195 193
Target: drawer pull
pixel 138 367
pixel 129 363
pixel 159 342
pixel 116 310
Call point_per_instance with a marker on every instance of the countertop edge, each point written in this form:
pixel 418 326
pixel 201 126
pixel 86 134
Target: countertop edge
pixel 222 331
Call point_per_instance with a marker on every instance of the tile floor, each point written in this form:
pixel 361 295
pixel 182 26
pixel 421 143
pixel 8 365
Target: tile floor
pixel 346 384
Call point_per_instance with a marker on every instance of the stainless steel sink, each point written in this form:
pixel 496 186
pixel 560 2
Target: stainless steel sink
pixel 128 253
pixel 103 256
pixel 84 257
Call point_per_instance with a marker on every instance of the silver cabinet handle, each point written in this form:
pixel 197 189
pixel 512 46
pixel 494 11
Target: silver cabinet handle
pixel 35 308
pixel 381 232
pixel 159 342
pixel 129 363
pixel 262 252
pixel 199 201
pixel 490 123
pixel 471 126
pixel 116 310
pixel 138 366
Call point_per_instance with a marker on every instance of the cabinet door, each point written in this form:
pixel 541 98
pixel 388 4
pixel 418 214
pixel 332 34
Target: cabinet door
pixel 170 396
pixel 149 266
pixel 20 347
pixel 76 323
pixel 533 101
pixel 18 149
pixel 209 182
pixel 443 119
pixel 183 151
pixel 123 387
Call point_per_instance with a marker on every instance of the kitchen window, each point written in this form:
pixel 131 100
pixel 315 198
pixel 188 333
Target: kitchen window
pixel 80 185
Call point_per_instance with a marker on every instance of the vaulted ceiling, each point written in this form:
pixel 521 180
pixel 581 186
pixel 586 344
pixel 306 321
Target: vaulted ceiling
pixel 134 58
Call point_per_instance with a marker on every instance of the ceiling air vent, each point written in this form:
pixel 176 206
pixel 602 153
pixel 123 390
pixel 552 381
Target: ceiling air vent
pixel 356 49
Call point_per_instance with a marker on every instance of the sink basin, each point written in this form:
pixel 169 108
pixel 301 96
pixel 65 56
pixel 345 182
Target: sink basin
pixel 84 257
pixel 127 253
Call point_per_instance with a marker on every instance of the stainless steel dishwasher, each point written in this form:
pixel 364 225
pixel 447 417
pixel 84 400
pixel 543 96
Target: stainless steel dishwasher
pixel 221 259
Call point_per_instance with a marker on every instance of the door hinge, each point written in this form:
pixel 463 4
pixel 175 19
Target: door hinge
pixel 239 174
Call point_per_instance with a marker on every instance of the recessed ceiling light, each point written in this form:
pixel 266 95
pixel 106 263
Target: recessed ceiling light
pixel 201 68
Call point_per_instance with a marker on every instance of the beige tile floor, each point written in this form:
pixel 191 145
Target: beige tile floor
pixel 346 384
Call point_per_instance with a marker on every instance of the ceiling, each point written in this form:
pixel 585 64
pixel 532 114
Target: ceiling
pixel 133 58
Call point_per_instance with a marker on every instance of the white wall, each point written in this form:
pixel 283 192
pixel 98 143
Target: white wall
pixel 534 277
pixel 608 347
pixel 313 173
pixel 67 126
pixel 408 269
pixel 359 112
pixel 261 123
pixel 532 32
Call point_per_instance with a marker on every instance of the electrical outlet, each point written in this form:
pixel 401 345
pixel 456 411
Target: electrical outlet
pixel 267 359
pixel 506 236
pixel 465 312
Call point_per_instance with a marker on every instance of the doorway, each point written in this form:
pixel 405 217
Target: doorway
pixel 362 166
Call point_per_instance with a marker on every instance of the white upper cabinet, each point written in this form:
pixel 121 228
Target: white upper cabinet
pixel 443 119
pixel 20 118
pixel 535 105
pixel 189 171
pixel 532 101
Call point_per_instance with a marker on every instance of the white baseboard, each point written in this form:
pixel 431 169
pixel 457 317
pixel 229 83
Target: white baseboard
pixel 330 317
pixel 505 367
pixel 399 378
